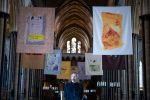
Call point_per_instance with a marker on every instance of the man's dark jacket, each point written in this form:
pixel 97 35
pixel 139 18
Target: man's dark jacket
pixel 73 91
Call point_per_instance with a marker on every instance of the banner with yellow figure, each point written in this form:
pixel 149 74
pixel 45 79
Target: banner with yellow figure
pixel 66 69
pixel 112 31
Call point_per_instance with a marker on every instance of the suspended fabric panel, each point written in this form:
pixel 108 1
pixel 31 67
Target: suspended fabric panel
pixel 113 62
pixel 112 31
pixel 53 62
pixel 74 69
pixel 66 69
pixel 93 64
pixel 32 61
pixel 81 71
pixel 36 30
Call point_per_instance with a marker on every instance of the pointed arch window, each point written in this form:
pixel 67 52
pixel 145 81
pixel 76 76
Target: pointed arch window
pixel 73 46
pixel 79 47
pixel 68 46
pixel 141 75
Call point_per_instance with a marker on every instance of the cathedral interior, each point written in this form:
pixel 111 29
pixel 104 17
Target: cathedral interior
pixel 74 22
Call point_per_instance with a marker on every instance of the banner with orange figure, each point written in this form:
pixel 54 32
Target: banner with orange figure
pixel 112 31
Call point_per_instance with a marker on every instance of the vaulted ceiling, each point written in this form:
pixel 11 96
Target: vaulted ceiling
pixel 73 19
pixel 57 3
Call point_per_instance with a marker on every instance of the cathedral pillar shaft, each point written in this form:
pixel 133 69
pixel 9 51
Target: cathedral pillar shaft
pixel 146 51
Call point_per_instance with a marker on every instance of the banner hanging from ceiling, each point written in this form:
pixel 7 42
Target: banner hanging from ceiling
pixel 93 64
pixel 32 61
pixel 53 62
pixel 35 30
pixel 81 71
pixel 113 62
pixel 112 31
pixel 66 70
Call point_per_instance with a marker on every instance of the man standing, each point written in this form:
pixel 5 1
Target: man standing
pixel 73 90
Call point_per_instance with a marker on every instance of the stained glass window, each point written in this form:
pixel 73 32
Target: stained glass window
pixel 73 46
pixel 140 75
pixel 79 46
pixel 68 46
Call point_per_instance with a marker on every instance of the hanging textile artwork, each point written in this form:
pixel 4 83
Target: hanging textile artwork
pixel 81 71
pixel 93 64
pixel 65 72
pixel 112 31
pixel 32 61
pixel 53 62
pixel 113 62
pixel 36 30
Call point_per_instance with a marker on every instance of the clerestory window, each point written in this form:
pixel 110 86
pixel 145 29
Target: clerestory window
pixel 73 46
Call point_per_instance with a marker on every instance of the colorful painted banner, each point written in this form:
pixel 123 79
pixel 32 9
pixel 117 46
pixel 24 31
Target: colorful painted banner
pixel 112 31
pixel 93 64
pixel 81 71
pixel 32 61
pixel 65 72
pixel 53 62
pixel 36 30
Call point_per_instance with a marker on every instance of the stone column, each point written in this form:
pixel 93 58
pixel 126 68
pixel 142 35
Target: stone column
pixel 130 77
pixel 27 85
pixel 146 53
pixel 3 18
